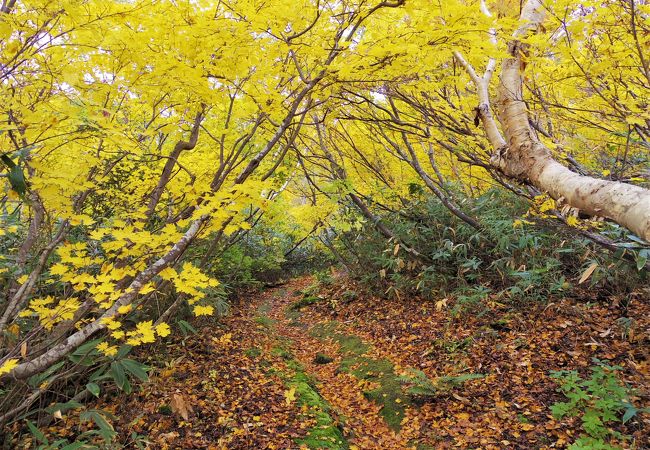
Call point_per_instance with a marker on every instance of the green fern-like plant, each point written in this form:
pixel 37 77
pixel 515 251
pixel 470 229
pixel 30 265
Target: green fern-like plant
pixel 598 400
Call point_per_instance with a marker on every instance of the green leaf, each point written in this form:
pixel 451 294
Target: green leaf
pixel 38 434
pixel 106 430
pixel 86 353
pixel 38 379
pixel 87 347
pixel 136 369
pixel 117 371
pixel 63 407
pixel 93 388
pixel 592 424
pixel 123 351
pixel 15 175
pixel 186 328
pixel 630 412
pixel 127 387
pixel 17 180
pixel 74 446
pixel 560 409
pixel 99 375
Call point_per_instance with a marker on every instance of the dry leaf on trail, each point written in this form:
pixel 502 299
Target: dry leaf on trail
pixel 181 406
pixel 164 437
pixel 587 273
pixel 226 339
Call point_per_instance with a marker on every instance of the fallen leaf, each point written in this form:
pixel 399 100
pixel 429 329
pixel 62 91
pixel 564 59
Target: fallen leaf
pixel 290 395
pixel 181 406
pixel 587 273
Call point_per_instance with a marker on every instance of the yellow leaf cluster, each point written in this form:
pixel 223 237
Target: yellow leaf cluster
pixel 50 316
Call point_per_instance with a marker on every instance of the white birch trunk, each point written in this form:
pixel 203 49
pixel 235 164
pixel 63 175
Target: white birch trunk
pixel 525 158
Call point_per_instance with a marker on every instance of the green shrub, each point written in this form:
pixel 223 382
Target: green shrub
pixel 598 400
pixel 509 260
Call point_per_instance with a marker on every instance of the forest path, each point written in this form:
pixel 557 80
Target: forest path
pixel 273 374
pixel 310 365
pixel 360 387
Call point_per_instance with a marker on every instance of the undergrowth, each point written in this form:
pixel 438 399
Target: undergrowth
pixel 507 261
pixel 599 401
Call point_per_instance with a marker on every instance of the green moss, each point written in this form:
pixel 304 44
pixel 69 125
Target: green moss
pixel 265 321
pixel 281 352
pixel 295 365
pixel 253 352
pixel 349 344
pixel 366 368
pixel 292 314
pixel 324 330
pixel 294 318
pixel 305 301
pixel 264 309
pixel 425 447
pixel 280 293
pixel 389 394
pixel 325 434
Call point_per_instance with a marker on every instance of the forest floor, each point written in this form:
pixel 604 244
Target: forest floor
pixel 293 368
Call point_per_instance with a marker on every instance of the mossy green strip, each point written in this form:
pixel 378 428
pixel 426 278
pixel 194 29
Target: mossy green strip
pixel 325 434
pixel 263 318
pixel 389 394
pixel 306 301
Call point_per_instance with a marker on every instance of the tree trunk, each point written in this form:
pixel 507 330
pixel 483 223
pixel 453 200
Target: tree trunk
pixel 525 158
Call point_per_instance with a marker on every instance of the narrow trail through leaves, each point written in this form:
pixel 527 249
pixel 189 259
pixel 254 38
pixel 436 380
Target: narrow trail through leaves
pixel 290 369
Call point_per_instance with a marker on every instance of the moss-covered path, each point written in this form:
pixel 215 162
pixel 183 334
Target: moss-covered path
pixel 362 390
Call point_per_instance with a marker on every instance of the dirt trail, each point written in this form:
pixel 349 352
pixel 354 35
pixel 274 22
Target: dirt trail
pixel 359 417
pixel 297 368
pixel 273 375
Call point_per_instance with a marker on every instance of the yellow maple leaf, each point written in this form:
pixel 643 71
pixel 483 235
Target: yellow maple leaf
pixel 200 310
pixel 8 366
pixel 162 330
pixel 124 309
pixel 290 396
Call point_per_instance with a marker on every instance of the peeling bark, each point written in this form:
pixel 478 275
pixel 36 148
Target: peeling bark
pixel 527 159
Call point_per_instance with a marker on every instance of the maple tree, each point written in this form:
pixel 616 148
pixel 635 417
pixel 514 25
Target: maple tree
pixel 134 131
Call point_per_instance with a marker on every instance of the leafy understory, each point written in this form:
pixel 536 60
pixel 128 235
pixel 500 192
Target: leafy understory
pixel 597 400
